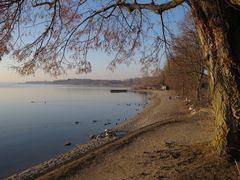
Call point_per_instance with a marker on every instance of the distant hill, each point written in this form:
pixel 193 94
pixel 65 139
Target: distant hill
pixel 91 82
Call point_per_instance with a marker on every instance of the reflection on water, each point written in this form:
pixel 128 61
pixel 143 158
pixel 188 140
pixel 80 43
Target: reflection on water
pixel 36 120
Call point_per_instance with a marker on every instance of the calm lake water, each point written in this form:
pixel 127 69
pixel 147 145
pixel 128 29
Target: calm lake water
pixel 36 120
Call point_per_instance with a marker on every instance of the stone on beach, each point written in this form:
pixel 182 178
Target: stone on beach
pixel 187 100
pixel 177 97
pixel 106 134
pixel 193 111
pixel 191 107
pixel 68 144
pixel 93 136
pixel 109 133
pixel 107 123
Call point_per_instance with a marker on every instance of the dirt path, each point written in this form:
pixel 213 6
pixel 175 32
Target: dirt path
pixel 165 142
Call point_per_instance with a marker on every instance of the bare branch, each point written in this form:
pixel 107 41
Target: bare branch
pixel 158 9
pixel 68 30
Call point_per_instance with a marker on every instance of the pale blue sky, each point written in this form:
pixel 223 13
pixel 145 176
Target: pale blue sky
pixel 99 61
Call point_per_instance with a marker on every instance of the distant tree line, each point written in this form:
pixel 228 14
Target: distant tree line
pixel 184 70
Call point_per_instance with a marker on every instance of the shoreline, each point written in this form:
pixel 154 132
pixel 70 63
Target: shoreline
pixel 139 120
pixel 82 149
pixel 165 141
pixel 162 111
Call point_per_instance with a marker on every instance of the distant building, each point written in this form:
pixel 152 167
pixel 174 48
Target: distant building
pixel 164 88
pixel 157 86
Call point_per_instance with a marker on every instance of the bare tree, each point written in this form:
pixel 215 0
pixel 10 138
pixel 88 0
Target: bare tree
pixel 151 81
pixel 65 30
pixel 187 61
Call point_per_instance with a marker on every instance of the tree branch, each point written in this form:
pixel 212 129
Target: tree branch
pixel 50 4
pixel 157 8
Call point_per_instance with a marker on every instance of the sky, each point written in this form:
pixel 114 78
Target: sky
pixel 99 61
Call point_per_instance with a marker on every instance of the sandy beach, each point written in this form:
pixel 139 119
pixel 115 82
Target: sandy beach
pixel 165 141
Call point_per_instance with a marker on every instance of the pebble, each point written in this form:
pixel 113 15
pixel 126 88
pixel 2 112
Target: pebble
pixel 93 136
pixel 68 144
pixel 191 107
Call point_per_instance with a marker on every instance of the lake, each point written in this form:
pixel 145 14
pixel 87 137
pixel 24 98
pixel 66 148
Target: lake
pixel 36 120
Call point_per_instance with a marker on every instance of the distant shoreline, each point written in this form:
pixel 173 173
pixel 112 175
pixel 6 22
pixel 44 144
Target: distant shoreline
pixel 90 82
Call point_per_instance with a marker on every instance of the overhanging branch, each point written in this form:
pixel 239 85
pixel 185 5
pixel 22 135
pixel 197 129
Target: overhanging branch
pixel 157 8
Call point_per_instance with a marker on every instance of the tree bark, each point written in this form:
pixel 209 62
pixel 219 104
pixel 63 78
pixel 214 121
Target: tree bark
pixel 198 92
pixel 199 83
pixel 183 88
pixel 218 26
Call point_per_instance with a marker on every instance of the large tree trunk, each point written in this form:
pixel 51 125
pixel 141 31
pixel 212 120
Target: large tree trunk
pixel 218 26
